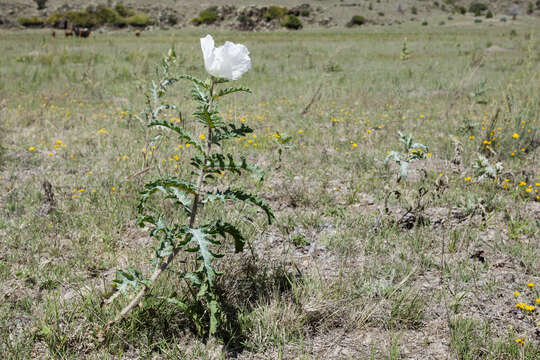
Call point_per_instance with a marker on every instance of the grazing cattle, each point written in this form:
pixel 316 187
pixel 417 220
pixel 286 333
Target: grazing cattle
pixel 137 33
pixel 81 32
pixel 68 32
pixel 53 33
pixel 84 32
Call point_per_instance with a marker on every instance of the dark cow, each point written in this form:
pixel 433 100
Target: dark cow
pixel 81 32
pixel 137 33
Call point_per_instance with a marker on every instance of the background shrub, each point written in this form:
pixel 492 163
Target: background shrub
pixel 291 22
pixel 105 15
pixel 82 18
pixel 122 10
pixel 140 20
pixel 246 23
pixel 305 12
pixel 477 8
pixel 207 16
pixel 31 21
pixel 275 12
pixel 356 20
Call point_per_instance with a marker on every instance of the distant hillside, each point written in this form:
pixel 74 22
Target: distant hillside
pixel 255 15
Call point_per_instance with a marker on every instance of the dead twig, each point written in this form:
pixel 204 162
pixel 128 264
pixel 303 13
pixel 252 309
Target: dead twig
pixel 313 99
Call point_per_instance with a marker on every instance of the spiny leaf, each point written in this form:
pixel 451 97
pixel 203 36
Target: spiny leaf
pixel 172 188
pixel 241 195
pixel 216 163
pixel 214 320
pixel 210 119
pixel 203 241
pixel 128 279
pixel 199 95
pixel 194 80
pixel 181 132
pixel 231 90
pixel 404 170
pixel 393 155
pixel 224 228
pixel 230 132
pixel 217 80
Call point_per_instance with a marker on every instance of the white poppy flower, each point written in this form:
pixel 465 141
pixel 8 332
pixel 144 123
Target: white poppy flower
pixel 229 61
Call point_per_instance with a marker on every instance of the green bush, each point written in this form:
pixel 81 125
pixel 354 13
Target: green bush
pixel 356 20
pixel 207 16
pixel 140 20
pixel 100 15
pixel 275 12
pixel 54 19
pixel 477 21
pixel 30 22
pixel 461 9
pixel 424 23
pixel 414 10
pixel 81 18
pixel 105 15
pixel 246 22
pixel 305 12
pixel 120 22
pixel 291 22
pixel 489 15
pixel 477 7
pixel 123 11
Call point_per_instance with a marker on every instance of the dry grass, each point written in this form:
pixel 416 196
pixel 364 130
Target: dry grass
pixel 337 276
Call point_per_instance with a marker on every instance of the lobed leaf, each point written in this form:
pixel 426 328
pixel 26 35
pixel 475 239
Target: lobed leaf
pixel 231 90
pixel 241 195
pixel 230 131
pixel 172 188
pixel 194 80
pixel 130 279
pixel 181 133
pixel 203 240
pixel 224 228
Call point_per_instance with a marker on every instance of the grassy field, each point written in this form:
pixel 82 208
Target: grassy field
pixel 357 265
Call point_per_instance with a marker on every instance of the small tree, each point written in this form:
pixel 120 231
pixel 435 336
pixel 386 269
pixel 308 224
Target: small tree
pixel 514 11
pixel 41 4
pixel 530 9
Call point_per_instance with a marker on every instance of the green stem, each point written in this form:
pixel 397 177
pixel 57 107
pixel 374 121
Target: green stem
pixel 159 269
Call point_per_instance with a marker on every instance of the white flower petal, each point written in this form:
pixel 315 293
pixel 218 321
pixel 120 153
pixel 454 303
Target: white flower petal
pixel 228 61
pixel 208 46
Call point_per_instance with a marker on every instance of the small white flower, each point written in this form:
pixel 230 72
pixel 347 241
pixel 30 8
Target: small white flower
pixel 229 61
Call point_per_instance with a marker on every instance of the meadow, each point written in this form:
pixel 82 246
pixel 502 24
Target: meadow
pixel 361 262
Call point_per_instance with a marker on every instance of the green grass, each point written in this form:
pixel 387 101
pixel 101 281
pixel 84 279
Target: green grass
pixel 337 276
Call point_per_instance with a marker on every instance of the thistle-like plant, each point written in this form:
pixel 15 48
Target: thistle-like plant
pixel 411 151
pixel 405 53
pixel 155 104
pixel 189 233
pixel 484 169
